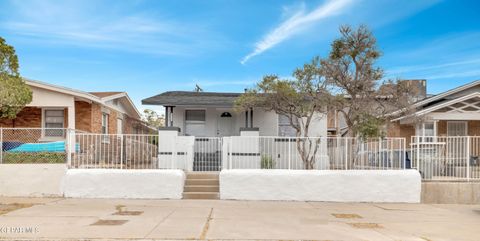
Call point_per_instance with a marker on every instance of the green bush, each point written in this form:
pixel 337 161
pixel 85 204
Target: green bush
pixel 267 162
pixel 33 157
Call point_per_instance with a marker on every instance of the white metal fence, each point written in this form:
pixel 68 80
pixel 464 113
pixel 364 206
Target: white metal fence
pixel 322 153
pixel 446 157
pixel 119 151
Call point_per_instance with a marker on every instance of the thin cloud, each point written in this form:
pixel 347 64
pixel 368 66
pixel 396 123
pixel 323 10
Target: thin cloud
pixel 298 22
pixel 77 24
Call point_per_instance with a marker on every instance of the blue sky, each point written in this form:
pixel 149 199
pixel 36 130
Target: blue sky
pixel 147 47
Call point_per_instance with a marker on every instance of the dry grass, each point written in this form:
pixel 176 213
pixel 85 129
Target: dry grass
pixel 346 215
pixel 122 210
pixel 365 225
pixel 128 213
pixel 108 222
pixel 6 208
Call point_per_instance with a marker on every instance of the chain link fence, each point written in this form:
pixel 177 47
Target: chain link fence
pixel 33 145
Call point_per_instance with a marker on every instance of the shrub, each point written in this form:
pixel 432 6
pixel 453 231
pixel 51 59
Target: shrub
pixel 267 162
pixel 33 157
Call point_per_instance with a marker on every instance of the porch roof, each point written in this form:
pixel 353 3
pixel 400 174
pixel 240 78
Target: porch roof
pixel 191 98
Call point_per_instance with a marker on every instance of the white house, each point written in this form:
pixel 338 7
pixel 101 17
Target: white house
pixel 212 114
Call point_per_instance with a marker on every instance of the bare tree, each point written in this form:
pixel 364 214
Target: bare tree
pixel 361 97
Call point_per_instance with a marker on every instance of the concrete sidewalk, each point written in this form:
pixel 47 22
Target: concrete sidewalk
pixel 187 219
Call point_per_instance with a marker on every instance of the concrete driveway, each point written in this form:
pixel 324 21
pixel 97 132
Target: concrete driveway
pixel 197 219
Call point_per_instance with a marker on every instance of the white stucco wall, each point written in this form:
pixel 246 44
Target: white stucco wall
pixel 48 98
pixel 267 122
pixel 322 185
pixel 31 180
pixel 111 183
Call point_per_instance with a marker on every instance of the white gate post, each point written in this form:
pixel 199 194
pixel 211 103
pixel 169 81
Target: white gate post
pixel 68 147
pixel 346 153
pixel 289 153
pixel 230 153
pixel 468 158
pixel 404 153
pixel 121 151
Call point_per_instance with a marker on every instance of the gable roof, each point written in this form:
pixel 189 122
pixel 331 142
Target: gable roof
pixel 192 98
pixel 447 93
pixel 105 94
pixel 431 102
pixel 96 97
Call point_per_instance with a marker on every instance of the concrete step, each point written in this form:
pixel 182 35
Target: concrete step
pixel 196 182
pixel 202 175
pixel 201 188
pixel 200 195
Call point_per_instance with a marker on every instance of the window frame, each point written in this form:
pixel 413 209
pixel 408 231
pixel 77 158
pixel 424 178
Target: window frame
pixel 194 122
pixel 105 119
pixel 44 123
pixel 465 123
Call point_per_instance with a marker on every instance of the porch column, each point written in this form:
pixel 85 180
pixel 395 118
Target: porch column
pixel 251 117
pixel 71 117
pixel 167 122
pixel 171 115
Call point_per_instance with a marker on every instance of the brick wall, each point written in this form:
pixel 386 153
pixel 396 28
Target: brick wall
pixel 83 113
pixel 30 117
pixel 96 118
pixel 112 122
pixel 395 129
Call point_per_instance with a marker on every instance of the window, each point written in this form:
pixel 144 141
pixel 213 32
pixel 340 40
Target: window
pixel 195 122
pixel 456 128
pixel 427 130
pixel 54 119
pixel 284 126
pixel 104 123
pixel 119 126
pixel 195 115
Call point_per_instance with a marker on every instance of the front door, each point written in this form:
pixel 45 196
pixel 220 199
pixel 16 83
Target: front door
pixel 224 124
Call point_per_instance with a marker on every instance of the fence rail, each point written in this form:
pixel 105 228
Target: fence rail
pixel 437 158
pixel 321 153
pixel 117 151
pixel 448 158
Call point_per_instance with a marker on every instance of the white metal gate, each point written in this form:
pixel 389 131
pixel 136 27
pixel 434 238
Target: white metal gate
pixel 207 154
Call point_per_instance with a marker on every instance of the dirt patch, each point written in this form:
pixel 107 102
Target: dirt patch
pixel 346 215
pixel 107 222
pixel 6 208
pixel 128 213
pixel 122 211
pixel 365 225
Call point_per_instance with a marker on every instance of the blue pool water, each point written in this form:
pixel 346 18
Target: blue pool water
pixel 55 146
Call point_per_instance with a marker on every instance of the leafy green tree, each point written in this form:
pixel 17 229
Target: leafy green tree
pixel 153 119
pixel 14 93
pixel 301 100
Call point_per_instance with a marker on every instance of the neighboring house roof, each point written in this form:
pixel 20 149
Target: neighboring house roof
pixel 441 100
pixel 447 93
pixel 191 98
pixel 96 97
pixel 105 94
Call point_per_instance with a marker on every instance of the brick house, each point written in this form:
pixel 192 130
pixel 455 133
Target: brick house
pixel 54 106
pixel 455 112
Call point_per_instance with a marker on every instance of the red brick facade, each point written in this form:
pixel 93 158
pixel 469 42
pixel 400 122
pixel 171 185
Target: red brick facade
pixel 88 119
